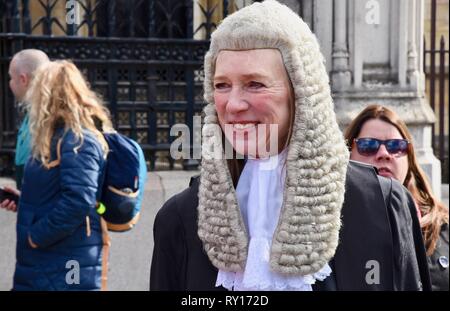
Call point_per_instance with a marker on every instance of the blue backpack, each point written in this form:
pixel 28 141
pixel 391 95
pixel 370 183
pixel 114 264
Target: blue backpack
pixel 124 177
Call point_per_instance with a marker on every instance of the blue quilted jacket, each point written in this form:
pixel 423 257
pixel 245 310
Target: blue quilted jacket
pixel 57 210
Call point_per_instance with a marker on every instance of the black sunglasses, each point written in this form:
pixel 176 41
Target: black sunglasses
pixel 370 146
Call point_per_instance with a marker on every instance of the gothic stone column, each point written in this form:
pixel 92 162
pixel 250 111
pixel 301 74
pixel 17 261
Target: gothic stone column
pixel 384 54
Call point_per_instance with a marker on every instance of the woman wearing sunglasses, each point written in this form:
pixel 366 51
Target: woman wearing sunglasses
pixel 377 136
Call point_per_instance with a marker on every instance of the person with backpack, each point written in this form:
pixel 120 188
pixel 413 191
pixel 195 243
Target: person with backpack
pixel 60 234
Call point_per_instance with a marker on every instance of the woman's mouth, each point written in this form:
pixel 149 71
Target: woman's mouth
pixel 243 126
pixel 386 172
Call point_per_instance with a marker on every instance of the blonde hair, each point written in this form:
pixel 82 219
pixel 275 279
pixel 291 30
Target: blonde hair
pixel 59 95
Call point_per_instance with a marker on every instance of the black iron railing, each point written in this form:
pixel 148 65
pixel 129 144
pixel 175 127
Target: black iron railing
pixel 143 56
pixel 436 68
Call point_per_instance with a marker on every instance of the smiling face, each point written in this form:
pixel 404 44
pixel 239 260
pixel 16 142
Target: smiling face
pixel 252 94
pixel 387 164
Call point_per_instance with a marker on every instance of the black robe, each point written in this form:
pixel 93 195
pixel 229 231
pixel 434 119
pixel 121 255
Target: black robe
pixel 380 242
pixel 438 262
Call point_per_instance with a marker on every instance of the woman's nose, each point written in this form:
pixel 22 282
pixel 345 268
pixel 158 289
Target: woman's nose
pixel 383 154
pixel 236 102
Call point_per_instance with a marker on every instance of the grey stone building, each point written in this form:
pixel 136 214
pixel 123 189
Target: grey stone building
pixel 374 53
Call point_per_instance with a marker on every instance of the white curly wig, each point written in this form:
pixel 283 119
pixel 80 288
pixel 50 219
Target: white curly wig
pixel 307 233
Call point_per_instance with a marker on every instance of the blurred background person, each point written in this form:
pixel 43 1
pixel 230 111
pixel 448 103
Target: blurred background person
pixel 21 73
pixel 378 136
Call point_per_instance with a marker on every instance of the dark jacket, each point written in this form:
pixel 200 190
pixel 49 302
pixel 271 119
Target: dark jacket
pixel 381 246
pixel 438 262
pixel 53 211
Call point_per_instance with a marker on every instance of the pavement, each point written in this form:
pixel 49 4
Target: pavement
pixel 131 252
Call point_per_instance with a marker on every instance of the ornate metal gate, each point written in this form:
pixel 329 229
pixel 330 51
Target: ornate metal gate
pixel 140 55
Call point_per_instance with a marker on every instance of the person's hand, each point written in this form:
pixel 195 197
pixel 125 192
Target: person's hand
pixel 9 204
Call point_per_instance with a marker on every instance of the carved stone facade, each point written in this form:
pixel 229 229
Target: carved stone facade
pixel 374 56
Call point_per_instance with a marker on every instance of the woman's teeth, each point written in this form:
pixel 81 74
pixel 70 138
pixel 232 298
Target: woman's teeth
pixel 240 126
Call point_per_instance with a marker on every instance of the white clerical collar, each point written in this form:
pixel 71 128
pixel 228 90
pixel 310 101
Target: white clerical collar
pixel 260 196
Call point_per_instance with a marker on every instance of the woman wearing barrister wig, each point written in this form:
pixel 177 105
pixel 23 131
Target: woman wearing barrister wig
pixel 273 220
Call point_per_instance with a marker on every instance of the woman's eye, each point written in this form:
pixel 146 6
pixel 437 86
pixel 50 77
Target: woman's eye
pixel 255 85
pixel 220 86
